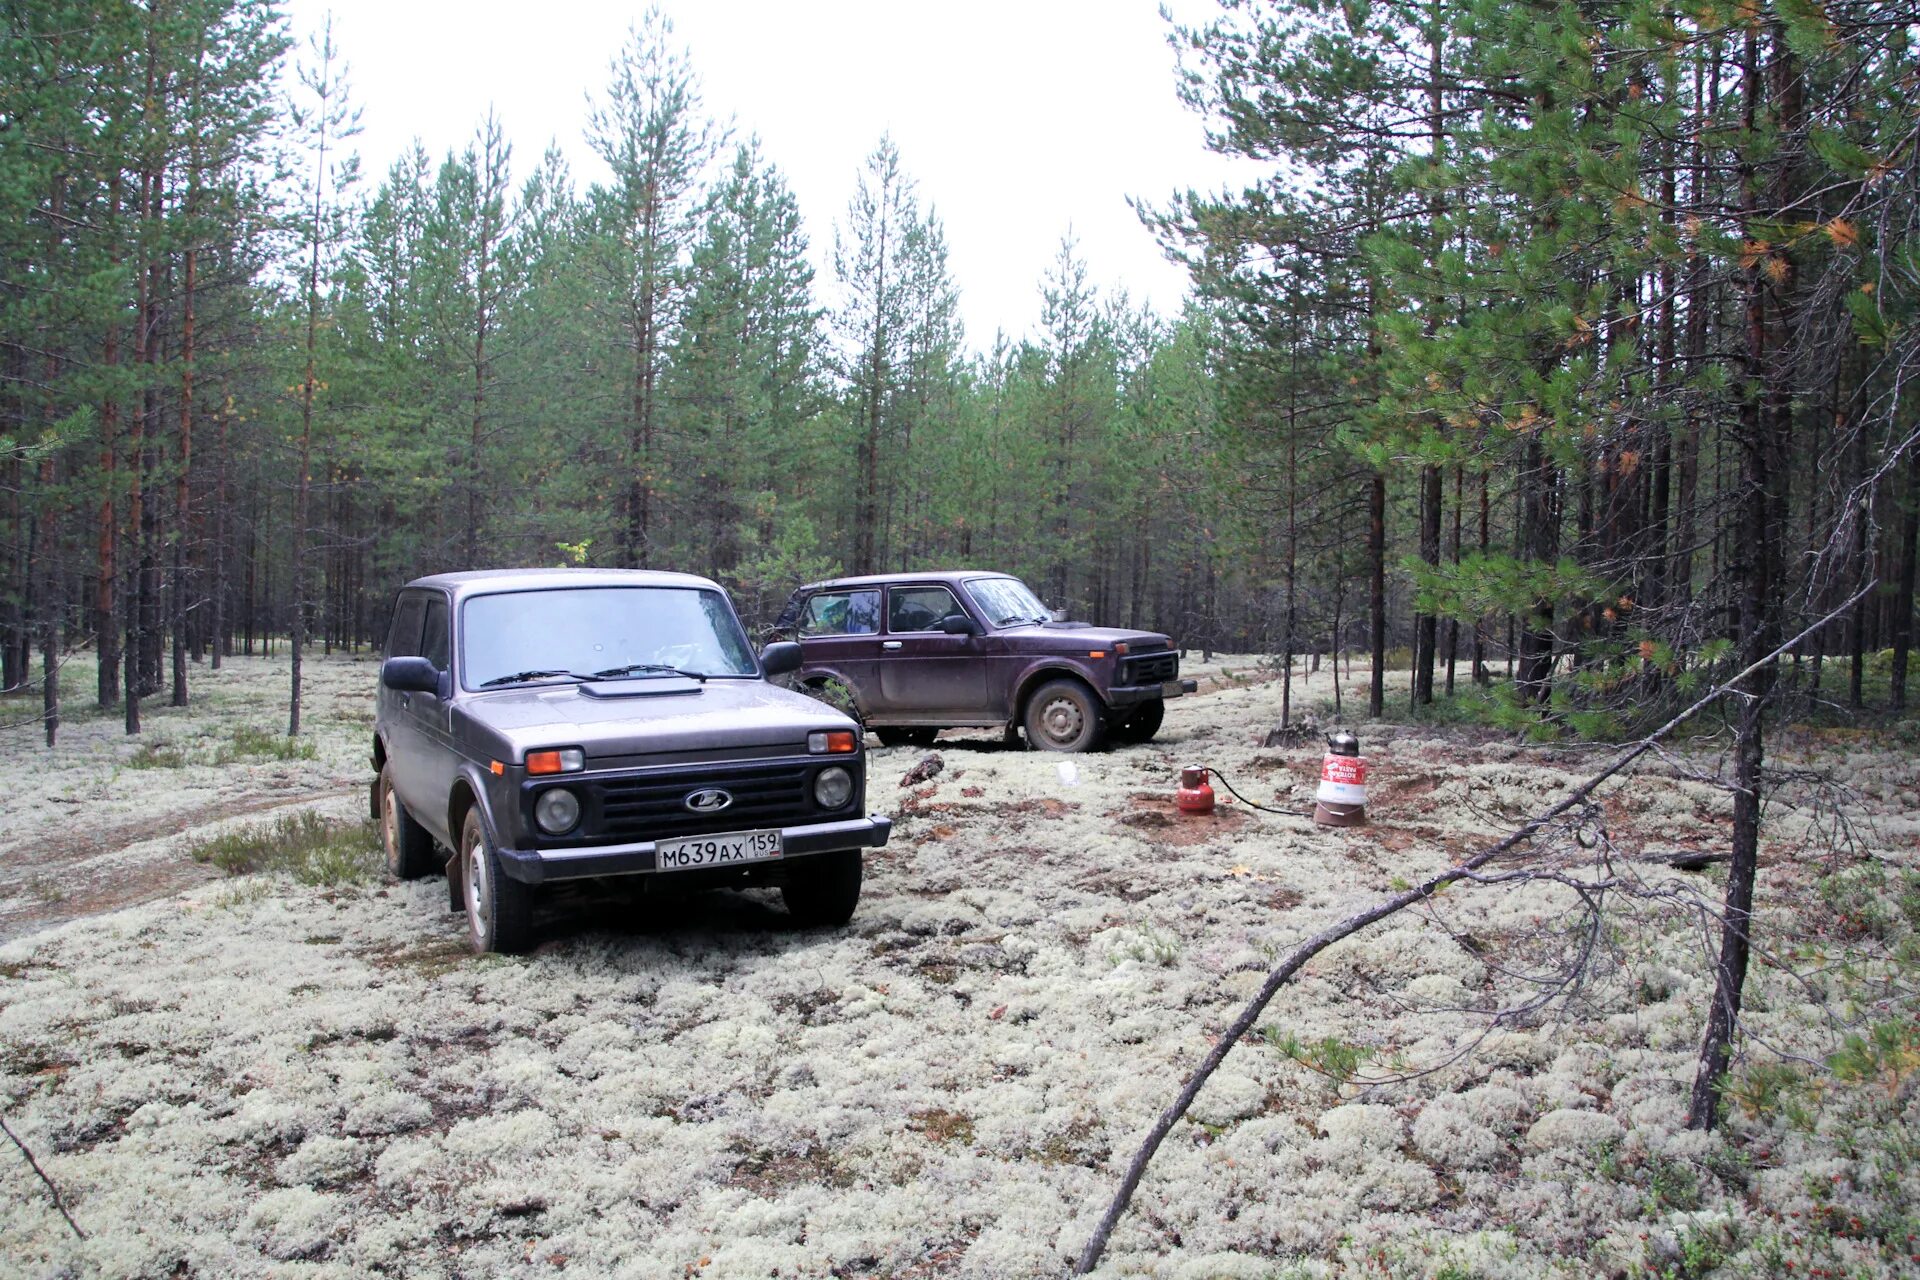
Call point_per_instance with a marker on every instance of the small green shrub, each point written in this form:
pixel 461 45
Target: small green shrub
pixel 303 845
pixel 1887 1055
pixel 158 754
pixel 1671 1185
pixel 1765 1088
pixel 1333 1058
pixel 1867 901
pixel 251 742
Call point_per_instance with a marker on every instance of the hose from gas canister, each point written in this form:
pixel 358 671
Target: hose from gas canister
pixel 1291 813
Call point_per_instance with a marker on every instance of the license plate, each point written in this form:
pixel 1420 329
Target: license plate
pixel 1172 689
pixel 716 851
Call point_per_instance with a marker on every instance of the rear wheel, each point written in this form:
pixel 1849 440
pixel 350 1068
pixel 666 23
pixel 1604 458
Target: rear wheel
pixel 825 889
pixel 408 847
pixel 1063 715
pixel 499 909
pixel 902 737
pixel 1143 723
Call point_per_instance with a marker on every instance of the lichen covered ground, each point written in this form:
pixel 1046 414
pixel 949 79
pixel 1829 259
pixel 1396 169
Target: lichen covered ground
pixel 255 1076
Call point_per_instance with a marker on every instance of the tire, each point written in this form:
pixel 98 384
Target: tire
pixel 499 909
pixel 826 890
pixel 1063 715
pixel 1143 723
pixel 409 848
pixel 900 737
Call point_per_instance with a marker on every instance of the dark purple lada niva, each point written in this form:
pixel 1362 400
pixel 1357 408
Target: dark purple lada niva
pixel 922 652
pixel 542 725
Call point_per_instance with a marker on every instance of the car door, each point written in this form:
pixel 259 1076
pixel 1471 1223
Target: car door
pixel 430 718
pixel 839 634
pixel 923 670
pixel 405 746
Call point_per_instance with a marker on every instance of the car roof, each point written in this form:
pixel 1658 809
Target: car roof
pixel 925 575
pixel 476 582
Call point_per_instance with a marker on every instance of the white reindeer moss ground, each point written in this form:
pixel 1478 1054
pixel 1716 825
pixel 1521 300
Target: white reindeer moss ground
pixel 254 1078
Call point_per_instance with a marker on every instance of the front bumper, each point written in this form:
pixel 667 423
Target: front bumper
pixel 543 866
pixel 1131 695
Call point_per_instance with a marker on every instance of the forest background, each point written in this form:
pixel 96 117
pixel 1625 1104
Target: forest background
pixel 1566 348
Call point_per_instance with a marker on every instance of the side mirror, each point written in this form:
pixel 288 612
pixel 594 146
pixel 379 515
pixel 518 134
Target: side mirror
pixel 779 658
pixel 1058 615
pixel 410 675
pixel 959 624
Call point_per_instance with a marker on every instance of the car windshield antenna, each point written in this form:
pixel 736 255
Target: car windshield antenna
pixel 520 676
pixel 631 668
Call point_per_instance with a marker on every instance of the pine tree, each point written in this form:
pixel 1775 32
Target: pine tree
pixel 651 134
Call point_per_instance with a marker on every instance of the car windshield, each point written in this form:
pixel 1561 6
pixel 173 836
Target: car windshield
pixel 1006 601
pixel 636 633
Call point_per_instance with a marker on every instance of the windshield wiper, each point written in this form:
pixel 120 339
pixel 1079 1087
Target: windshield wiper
pixel 631 668
pixel 520 676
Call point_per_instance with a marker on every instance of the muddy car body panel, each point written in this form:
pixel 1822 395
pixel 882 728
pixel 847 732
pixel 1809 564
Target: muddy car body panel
pixel 941 650
pixel 634 692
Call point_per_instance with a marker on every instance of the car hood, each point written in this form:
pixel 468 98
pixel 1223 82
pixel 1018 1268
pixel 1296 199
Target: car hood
pixel 636 717
pixel 1066 637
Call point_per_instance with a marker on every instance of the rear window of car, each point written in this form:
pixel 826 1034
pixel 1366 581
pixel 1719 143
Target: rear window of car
pixel 842 613
pixel 919 608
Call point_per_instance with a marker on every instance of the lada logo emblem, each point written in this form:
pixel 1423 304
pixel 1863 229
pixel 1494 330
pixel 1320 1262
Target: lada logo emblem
pixel 708 800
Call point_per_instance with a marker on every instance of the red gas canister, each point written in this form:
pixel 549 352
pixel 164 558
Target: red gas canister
pixel 1341 800
pixel 1194 795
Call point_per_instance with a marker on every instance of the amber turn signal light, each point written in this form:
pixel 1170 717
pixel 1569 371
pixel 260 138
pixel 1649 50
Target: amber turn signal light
pixel 561 760
pixel 1096 653
pixel 834 742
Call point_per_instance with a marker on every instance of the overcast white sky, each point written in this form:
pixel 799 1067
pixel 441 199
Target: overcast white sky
pixel 1017 118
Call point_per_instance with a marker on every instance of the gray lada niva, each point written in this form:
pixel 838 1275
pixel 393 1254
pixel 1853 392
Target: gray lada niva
pixel 563 724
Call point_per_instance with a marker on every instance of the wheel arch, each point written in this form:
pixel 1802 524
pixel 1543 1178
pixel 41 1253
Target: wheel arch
pixel 1052 671
pixel 812 680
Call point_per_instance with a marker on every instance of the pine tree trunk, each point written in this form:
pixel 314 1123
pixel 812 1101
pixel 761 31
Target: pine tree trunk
pixel 182 500
pixel 1377 590
pixel 1903 598
pixel 1540 545
pixel 1426 625
pixel 106 623
pixel 1453 623
pixel 217 624
pixel 1764 424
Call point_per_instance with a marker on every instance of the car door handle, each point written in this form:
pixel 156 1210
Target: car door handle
pixel 889 644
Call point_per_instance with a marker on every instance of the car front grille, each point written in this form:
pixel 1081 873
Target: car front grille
pixel 653 806
pixel 1153 668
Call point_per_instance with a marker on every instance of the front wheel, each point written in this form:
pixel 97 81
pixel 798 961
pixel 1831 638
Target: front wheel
pixel 499 908
pixel 408 847
pixel 1063 715
pixel 1143 723
pixel 825 889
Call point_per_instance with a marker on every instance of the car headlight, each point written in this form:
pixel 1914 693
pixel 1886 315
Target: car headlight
pixel 833 788
pixel 556 811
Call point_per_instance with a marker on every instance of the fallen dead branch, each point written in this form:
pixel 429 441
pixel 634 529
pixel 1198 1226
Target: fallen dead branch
pixel 1306 951
pixel 1682 859
pixel 52 1190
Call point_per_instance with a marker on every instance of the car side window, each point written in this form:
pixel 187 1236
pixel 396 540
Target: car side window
pixel 919 608
pixel 435 643
pixel 403 637
pixel 842 613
